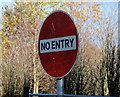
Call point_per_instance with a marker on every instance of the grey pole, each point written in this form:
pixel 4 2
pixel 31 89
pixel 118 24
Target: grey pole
pixel 60 87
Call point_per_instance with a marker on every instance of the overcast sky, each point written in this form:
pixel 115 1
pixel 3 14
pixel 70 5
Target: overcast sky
pixel 106 4
pixel 108 7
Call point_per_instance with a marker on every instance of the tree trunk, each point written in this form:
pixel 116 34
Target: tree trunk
pixel 106 92
pixel 34 61
pixel 1 62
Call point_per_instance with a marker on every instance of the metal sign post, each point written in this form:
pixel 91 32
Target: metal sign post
pixel 60 87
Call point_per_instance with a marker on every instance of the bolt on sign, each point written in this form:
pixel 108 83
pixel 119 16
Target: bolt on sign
pixel 58 44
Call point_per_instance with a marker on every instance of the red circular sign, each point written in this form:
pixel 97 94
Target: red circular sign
pixel 58 44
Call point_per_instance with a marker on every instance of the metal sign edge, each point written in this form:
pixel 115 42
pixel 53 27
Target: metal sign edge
pixel 76 46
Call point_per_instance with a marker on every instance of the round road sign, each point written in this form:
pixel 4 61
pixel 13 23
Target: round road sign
pixel 58 44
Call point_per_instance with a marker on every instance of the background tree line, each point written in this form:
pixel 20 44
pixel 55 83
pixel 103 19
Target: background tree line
pixel 97 71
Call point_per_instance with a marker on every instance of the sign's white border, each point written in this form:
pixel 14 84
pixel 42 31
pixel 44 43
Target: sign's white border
pixel 76 45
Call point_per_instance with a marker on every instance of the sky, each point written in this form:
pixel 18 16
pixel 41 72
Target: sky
pixel 108 6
